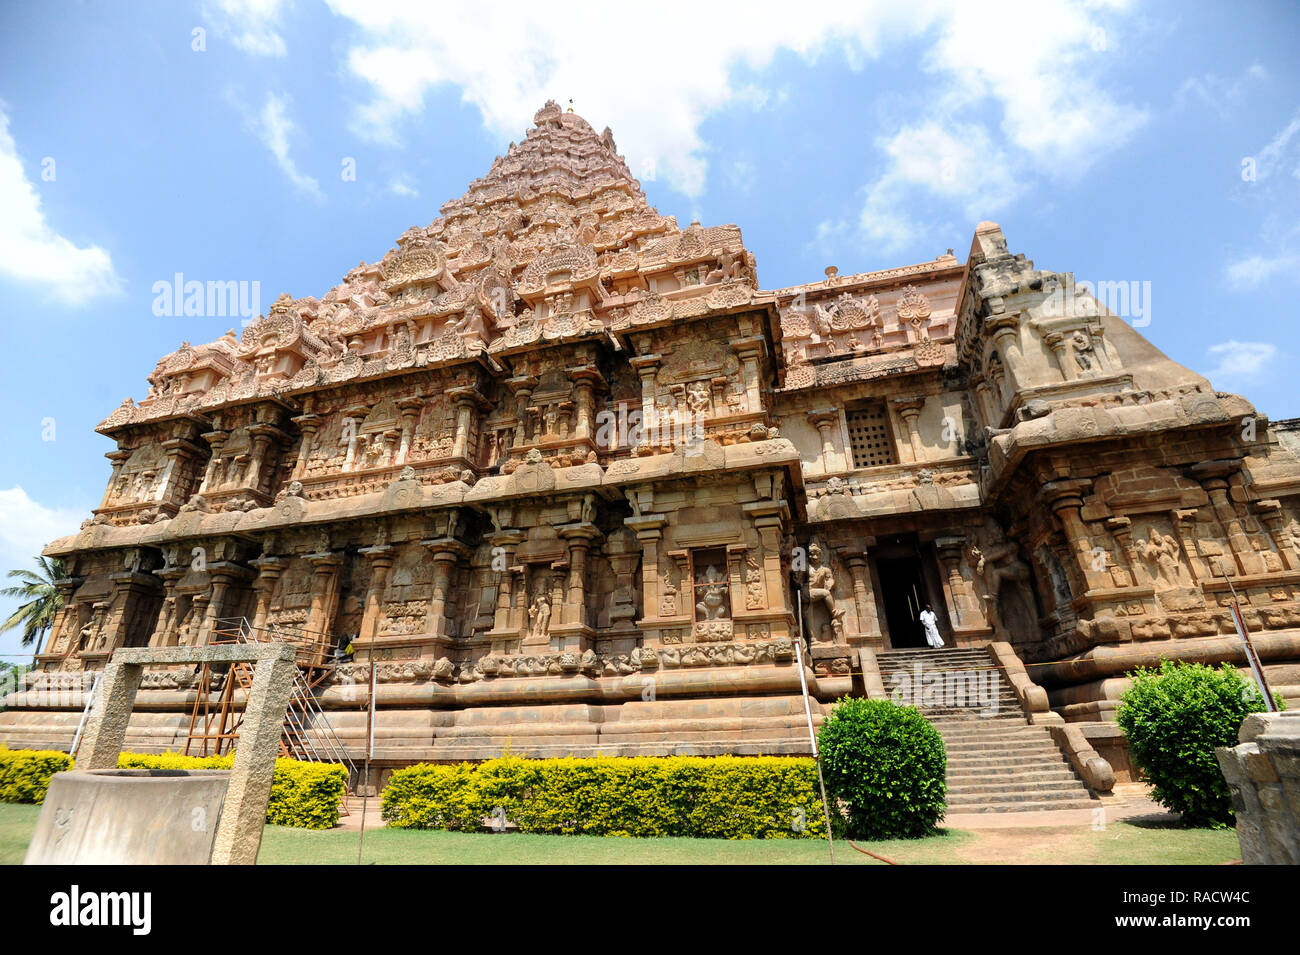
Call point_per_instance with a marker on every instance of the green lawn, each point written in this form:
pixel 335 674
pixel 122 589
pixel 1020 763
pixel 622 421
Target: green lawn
pixel 1119 844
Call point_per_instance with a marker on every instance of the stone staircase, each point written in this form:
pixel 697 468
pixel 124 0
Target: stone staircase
pixel 997 760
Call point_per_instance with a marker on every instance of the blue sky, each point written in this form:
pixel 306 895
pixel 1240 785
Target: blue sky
pixel 1138 142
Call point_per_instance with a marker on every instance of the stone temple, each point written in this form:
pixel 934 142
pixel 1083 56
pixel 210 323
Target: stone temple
pixel 574 480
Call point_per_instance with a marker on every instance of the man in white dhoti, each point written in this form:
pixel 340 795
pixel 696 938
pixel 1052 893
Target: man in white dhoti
pixel 931 624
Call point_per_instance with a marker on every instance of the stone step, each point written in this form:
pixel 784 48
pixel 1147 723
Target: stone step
pixel 1018 787
pixel 1017 747
pixel 1005 764
pixel 1037 774
pixel 960 731
pixel 986 806
pixel 1012 797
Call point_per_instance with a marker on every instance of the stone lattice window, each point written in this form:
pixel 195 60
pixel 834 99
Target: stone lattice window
pixel 711 592
pixel 870 438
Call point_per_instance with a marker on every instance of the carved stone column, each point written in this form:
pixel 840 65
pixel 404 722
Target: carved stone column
pixel 261 436
pixel 324 596
pixel 1213 476
pixel 308 425
pixel 521 387
pixel 824 420
pixel 585 379
pixel 1121 528
pixel 909 409
pixel 961 605
pixel 1271 516
pixel 505 630
pixel 647 367
pixel 649 532
pixel 224 574
pixel 864 595
pixel 164 634
pixel 410 408
pixel 381 559
pixel 117 458
pixel 750 353
pixel 1065 498
pixel 1059 342
pixel 215 439
pixel 269 570
pixel 446 553
pixel 1184 521
pixel 60 641
pixel 1006 335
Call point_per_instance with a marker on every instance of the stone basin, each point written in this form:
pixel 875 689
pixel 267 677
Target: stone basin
pixel 129 817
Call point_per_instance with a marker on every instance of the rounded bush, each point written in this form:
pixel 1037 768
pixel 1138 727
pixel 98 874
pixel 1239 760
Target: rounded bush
pixel 885 769
pixel 1174 717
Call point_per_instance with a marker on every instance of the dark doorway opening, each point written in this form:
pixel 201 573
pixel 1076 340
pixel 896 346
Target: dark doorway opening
pixel 902 591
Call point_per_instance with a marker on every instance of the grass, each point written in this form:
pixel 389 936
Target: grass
pixel 1126 843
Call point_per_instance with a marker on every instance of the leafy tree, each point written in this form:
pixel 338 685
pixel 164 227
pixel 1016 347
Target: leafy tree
pixel 1174 717
pixel 41 600
pixel 885 768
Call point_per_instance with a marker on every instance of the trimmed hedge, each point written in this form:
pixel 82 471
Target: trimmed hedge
pixel 304 795
pixel 885 767
pixel 722 797
pixel 1174 717
pixel 25 773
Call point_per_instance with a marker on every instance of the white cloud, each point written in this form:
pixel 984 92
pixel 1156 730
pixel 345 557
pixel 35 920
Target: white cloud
pixel 1254 271
pixel 398 186
pixel 251 25
pixel 31 252
pixel 508 57
pixel 1220 94
pixel 1239 360
pixel 958 163
pixel 26 527
pixel 274 127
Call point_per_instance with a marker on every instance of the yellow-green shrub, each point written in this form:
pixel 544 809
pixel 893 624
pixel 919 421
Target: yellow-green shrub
pixel 725 797
pixel 25 773
pixel 304 795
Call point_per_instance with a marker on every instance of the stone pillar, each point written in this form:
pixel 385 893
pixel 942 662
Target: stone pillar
pixel 215 439
pixel 585 378
pixel 1271 516
pixel 578 537
pixel 824 420
pixel 381 559
pixel 864 595
pixel 1006 335
pixel 770 518
pixel 647 367
pixel 522 387
pixel 410 408
pixel 649 532
pixel 164 634
pixel 171 488
pixel 308 425
pixel 1060 345
pixel 1213 476
pixel 261 436
pixel 66 587
pixel 324 596
pixel 988 407
pixel 961 605
pixel 1184 521
pixel 269 570
pixel 750 352
pixel 1065 498
pixel 117 458
pixel 502 563
pixel 910 410
pixel 223 574
pixel 445 552
pixel 1121 528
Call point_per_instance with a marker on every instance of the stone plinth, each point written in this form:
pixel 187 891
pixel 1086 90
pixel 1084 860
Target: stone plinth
pixel 1263 774
pixel 129 817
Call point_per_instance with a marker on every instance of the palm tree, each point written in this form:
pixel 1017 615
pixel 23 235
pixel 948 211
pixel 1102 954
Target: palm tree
pixel 42 600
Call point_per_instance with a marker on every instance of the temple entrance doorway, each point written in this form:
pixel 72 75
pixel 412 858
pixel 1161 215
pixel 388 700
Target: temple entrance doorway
pixel 903 593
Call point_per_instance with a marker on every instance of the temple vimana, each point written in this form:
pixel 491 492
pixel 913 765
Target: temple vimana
pixel 577 484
